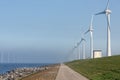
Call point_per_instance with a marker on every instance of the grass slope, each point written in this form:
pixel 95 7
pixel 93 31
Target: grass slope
pixel 107 68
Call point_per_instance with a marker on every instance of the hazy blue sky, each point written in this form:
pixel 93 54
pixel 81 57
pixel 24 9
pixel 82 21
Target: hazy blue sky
pixel 48 29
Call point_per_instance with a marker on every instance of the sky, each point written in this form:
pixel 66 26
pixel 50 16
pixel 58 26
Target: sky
pixel 46 30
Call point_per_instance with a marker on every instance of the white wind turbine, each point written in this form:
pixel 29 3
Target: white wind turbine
pixel 107 11
pixel 91 36
pixel 78 49
pixel 83 46
pixel 8 56
pixel 1 57
pixel 75 47
pixel 71 53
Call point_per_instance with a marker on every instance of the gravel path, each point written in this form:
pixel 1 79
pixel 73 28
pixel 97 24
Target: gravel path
pixel 65 73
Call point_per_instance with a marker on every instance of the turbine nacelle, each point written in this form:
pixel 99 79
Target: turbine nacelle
pixel 91 29
pixel 108 11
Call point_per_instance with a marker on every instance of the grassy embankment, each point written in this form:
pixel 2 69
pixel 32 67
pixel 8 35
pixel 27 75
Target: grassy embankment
pixel 107 68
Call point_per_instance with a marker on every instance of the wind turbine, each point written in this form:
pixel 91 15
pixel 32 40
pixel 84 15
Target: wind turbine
pixel 74 52
pixel 71 52
pixel 107 12
pixel 83 46
pixel 8 57
pixel 78 48
pixel 1 57
pixel 91 36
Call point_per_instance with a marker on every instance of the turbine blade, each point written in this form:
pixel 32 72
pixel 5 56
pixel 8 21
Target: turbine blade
pixel 84 40
pixel 100 13
pixel 91 25
pixel 86 31
pixel 92 20
pixel 90 28
pixel 79 43
pixel 73 49
pixel 107 4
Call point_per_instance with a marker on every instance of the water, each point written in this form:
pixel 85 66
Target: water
pixel 4 67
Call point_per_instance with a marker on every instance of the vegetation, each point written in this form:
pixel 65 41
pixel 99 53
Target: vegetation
pixel 107 68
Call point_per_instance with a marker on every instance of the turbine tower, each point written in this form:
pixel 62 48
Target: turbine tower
pixel 107 12
pixel 8 57
pixel 91 36
pixel 78 51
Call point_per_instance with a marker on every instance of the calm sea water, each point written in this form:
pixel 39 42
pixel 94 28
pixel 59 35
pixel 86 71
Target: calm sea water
pixel 4 67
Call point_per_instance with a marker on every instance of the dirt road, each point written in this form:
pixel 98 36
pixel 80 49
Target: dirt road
pixel 65 73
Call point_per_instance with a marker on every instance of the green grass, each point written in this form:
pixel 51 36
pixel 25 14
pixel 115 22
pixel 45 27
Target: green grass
pixel 107 68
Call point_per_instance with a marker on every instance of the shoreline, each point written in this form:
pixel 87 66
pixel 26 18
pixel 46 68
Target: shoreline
pixel 26 72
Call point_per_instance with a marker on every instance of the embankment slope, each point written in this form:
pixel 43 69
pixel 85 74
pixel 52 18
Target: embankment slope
pixel 107 68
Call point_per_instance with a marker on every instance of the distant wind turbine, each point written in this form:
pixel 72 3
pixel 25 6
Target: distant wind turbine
pixel 71 52
pixel 8 57
pixel 1 57
pixel 83 46
pixel 91 36
pixel 107 11
pixel 78 48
